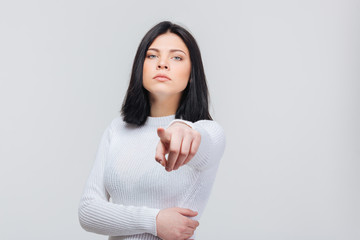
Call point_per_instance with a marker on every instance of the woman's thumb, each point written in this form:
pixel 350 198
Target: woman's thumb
pixel 187 212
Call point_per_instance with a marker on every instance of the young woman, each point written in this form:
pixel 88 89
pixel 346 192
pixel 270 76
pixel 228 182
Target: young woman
pixel 133 190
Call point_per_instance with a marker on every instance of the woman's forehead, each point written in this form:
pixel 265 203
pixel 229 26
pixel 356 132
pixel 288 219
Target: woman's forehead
pixel 168 42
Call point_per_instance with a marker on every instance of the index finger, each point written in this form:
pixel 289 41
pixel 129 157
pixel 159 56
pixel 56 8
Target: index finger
pixel 164 136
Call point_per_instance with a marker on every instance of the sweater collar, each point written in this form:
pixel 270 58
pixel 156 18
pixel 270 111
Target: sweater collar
pixel 159 121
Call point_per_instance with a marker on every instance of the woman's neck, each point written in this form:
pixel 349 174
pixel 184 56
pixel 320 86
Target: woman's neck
pixel 164 106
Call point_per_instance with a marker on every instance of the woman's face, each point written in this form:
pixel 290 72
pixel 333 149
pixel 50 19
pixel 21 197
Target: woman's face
pixel 168 56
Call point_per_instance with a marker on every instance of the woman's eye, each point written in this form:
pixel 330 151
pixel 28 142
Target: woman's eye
pixel 151 56
pixel 178 58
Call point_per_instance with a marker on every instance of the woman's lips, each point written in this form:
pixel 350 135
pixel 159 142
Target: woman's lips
pixel 161 78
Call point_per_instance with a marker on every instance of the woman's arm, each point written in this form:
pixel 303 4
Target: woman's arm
pixel 212 145
pixel 98 215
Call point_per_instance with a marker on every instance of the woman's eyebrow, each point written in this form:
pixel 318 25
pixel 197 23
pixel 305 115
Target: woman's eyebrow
pixel 171 50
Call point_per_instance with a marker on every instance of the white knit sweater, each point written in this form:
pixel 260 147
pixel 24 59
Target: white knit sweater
pixel 127 188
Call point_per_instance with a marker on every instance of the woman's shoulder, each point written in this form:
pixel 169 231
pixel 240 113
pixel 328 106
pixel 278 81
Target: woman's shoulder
pixel 214 131
pixel 116 123
pixel 211 125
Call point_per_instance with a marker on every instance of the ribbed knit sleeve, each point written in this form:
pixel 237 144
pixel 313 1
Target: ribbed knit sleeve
pixel 96 214
pixel 212 145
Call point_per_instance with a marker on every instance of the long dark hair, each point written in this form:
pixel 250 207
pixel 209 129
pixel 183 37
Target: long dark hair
pixel 194 102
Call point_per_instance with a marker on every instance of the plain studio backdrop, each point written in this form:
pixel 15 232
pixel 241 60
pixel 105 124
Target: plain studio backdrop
pixel 284 83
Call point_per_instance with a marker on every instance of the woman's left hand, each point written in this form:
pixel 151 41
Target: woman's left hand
pixel 180 141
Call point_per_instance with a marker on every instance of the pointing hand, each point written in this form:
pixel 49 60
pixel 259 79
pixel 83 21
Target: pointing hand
pixel 180 141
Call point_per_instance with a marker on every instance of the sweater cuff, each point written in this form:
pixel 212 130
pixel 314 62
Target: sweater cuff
pixel 190 124
pixel 149 220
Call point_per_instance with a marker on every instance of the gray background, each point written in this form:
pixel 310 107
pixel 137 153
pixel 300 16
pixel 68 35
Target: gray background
pixel 284 84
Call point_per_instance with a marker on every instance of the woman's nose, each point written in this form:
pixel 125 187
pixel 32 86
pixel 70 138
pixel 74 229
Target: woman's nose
pixel 163 65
